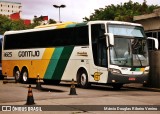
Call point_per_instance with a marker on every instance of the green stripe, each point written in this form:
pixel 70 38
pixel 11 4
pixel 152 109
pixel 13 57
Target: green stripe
pixel 53 63
pixel 62 63
pixel 138 69
pixel 135 69
pixel 71 25
pixel 58 63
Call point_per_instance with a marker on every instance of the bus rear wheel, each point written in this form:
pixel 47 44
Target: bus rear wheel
pixel 83 79
pixel 25 76
pixel 16 74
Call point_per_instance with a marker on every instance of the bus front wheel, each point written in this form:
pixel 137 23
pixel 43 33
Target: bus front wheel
pixel 25 76
pixel 83 79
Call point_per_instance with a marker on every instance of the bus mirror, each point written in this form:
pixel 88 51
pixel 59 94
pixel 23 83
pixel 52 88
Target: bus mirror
pixel 110 38
pixel 155 42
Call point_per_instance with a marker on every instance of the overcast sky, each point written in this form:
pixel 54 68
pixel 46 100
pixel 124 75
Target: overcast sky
pixel 75 10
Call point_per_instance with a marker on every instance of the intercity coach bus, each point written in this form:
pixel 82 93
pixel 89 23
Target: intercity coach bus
pixel 99 52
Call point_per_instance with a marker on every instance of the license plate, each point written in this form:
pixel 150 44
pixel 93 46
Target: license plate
pixel 132 79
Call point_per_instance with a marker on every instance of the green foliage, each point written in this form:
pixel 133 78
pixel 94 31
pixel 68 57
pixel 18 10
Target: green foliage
pixel 122 12
pixel 51 21
pixel 6 24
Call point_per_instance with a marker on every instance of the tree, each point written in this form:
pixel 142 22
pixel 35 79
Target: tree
pixel 4 24
pixel 18 25
pixel 122 12
pixel 7 24
pixel 37 21
pixel 52 21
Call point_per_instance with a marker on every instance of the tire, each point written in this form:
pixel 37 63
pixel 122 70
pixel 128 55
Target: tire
pixel 25 76
pixel 117 86
pixel 83 79
pixel 17 75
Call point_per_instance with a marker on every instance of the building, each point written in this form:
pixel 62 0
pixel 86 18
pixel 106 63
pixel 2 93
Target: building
pixel 15 16
pixel 7 8
pixel 151 24
pixel 12 10
pixel 27 21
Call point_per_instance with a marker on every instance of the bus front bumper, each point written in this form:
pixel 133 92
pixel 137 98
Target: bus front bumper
pixel 121 78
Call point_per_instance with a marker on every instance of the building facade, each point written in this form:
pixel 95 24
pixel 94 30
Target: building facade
pixel 151 24
pixel 7 8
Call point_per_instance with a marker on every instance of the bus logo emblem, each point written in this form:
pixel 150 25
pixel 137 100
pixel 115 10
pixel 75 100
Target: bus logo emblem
pixel 97 76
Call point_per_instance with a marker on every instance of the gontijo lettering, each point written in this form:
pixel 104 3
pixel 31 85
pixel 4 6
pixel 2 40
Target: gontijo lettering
pixel 29 53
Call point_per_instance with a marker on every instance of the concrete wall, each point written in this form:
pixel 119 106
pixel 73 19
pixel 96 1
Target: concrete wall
pixel 150 24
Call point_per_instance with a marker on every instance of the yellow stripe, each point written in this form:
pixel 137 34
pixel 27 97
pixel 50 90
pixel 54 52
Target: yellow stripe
pixel 142 69
pixel 41 65
pixel 63 25
pixel 48 53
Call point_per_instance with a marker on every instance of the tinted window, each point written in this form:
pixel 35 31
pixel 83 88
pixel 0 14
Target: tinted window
pixel 48 38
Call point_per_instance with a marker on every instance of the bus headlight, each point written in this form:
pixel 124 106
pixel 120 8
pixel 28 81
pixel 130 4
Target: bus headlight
pixel 146 72
pixel 115 71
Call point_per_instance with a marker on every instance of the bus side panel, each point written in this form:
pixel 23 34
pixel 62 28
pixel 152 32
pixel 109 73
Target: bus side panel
pixel 39 67
pixel 79 59
pixel 7 66
pixel 35 66
pixel 58 63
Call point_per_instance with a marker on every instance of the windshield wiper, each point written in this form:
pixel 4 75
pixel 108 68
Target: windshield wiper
pixel 139 59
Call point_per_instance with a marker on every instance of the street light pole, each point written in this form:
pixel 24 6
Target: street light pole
pixel 61 6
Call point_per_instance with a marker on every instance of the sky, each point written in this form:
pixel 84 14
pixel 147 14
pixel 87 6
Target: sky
pixel 75 10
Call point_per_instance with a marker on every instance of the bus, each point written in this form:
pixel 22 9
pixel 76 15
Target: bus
pixel 95 52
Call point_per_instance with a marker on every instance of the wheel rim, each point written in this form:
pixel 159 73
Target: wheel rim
pixel 17 75
pixel 25 76
pixel 83 79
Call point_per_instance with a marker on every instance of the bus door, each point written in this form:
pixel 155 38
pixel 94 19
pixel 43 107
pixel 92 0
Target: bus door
pixel 99 67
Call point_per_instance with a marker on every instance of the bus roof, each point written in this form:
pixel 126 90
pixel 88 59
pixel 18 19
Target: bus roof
pixel 63 25
pixel 68 25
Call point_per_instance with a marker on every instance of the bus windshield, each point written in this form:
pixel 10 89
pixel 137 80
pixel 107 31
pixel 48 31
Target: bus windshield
pixel 126 30
pixel 129 50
